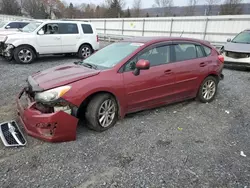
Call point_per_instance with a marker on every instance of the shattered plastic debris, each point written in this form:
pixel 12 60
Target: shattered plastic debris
pixel 227 111
pixel 180 129
pixel 242 154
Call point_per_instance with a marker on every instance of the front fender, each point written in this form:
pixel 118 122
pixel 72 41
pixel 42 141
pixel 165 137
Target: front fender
pixel 20 42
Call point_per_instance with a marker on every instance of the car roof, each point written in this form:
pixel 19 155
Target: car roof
pixel 63 21
pixel 163 39
pixel 21 21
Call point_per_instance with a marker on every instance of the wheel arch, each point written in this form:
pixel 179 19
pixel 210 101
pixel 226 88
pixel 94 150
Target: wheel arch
pixel 30 46
pixel 85 102
pixel 86 43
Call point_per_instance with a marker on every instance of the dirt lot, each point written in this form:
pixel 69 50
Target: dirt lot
pixel 187 144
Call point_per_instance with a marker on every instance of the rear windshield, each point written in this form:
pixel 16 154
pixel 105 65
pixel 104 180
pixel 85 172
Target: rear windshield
pixel 243 37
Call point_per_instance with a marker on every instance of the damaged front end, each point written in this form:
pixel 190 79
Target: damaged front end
pixel 6 50
pixel 53 121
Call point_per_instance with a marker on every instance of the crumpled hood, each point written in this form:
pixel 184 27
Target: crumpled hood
pixel 237 47
pixel 62 75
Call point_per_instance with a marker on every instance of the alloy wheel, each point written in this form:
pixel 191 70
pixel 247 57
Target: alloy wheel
pixel 208 89
pixel 86 52
pixel 106 113
pixel 25 56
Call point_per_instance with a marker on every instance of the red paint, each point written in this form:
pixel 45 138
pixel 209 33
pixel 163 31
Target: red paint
pixel 143 64
pixel 159 85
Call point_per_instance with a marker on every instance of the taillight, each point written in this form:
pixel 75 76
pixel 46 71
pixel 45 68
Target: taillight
pixel 221 58
pixel 97 38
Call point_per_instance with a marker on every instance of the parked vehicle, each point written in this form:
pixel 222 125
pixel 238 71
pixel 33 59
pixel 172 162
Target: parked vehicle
pixel 124 77
pixel 237 51
pixel 13 25
pixel 49 37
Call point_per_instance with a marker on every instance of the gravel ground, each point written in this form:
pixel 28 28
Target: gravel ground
pixel 187 144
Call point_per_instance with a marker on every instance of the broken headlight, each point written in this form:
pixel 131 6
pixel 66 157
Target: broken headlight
pixel 52 95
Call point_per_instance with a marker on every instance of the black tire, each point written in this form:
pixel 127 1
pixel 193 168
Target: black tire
pixel 200 96
pixel 28 51
pixel 92 112
pixel 88 51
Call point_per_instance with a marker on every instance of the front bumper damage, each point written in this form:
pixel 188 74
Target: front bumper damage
pixel 6 50
pixel 236 60
pixel 47 125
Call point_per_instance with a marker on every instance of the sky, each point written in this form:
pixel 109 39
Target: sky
pixel 145 3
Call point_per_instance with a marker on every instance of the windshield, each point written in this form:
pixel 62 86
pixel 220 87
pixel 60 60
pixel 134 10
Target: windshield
pixel 243 37
pixel 31 27
pixel 112 55
pixel 2 24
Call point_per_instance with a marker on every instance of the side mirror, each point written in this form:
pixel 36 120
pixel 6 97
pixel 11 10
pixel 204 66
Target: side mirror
pixel 142 64
pixel 7 27
pixel 41 32
pixel 229 40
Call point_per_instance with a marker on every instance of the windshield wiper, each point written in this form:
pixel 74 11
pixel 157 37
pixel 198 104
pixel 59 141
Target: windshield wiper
pixel 89 65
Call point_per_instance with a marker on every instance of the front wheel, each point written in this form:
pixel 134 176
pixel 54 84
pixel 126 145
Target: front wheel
pixel 24 55
pixel 85 51
pixel 102 112
pixel 208 89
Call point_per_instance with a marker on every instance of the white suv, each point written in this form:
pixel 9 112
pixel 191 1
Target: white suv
pixel 50 37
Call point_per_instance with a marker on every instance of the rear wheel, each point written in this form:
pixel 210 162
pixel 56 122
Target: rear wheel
pixel 102 112
pixel 85 51
pixel 208 89
pixel 24 55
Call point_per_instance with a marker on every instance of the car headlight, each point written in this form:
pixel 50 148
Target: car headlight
pixel 52 95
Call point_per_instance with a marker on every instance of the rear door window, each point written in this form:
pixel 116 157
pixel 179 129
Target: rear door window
pixel 199 51
pixel 68 28
pixel 185 52
pixel 207 50
pixel 87 29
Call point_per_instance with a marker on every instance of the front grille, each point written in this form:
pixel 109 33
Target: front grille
pixel 237 55
pixel 11 134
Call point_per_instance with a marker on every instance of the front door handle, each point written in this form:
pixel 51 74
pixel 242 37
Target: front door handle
pixel 58 38
pixel 168 71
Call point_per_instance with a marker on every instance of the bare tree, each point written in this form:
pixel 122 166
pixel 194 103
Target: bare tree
pixel 210 4
pixel 35 8
pixel 137 7
pixel 190 9
pixel 10 7
pixel 166 5
pixel 231 7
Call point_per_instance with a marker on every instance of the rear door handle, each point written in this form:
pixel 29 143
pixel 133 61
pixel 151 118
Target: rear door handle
pixel 58 38
pixel 168 71
pixel 203 64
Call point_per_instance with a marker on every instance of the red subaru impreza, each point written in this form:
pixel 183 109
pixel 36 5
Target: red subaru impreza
pixel 124 77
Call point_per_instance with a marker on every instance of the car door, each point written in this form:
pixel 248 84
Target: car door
pixel 151 87
pixel 70 36
pixel 49 40
pixel 191 66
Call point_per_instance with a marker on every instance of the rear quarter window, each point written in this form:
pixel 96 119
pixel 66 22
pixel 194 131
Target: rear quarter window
pixel 207 50
pixel 87 29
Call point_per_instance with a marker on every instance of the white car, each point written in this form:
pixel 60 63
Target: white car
pixel 49 37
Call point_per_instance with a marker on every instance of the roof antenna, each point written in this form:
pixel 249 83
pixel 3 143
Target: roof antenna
pixel 182 33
